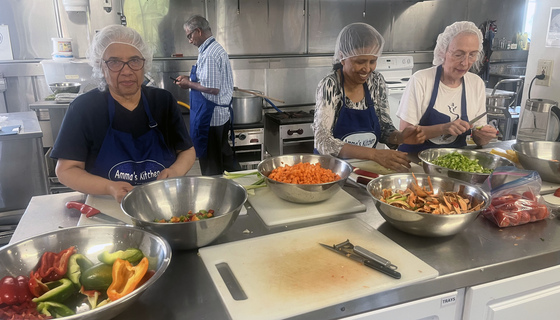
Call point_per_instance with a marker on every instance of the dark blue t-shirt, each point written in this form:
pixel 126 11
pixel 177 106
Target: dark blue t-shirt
pixel 87 120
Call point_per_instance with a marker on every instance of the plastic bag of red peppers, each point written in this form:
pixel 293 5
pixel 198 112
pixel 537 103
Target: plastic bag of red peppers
pixel 515 197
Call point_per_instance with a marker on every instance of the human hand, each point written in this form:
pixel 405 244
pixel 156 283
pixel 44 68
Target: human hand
pixel 413 135
pixel 167 173
pixel 183 81
pixel 118 189
pixel 483 135
pixel 456 127
pixel 392 159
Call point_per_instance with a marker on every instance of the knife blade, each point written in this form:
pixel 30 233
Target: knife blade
pixel 371 263
pixel 447 136
pixel 90 212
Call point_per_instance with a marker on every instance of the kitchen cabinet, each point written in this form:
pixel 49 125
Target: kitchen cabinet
pixel 448 306
pixel 533 295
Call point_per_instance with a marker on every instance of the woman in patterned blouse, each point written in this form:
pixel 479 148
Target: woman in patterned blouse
pixel 352 111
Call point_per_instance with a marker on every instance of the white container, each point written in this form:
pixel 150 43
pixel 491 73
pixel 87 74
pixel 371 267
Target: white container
pixel 62 48
pixel 75 5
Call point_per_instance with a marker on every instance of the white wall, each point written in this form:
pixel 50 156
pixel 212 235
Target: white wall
pixel 538 51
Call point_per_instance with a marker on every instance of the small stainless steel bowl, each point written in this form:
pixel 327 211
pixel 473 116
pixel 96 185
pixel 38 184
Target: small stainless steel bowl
pixel 22 257
pixel 485 159
pixel 305 193
pixel 166 198
pixel 65 87
pixel 541 156
pixel 425 224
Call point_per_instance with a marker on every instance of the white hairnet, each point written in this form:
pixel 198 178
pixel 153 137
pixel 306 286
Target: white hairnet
pixel 357 39
pixel 450 32
pixel 115 34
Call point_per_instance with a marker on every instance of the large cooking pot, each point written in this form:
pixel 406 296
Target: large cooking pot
pixel 247 108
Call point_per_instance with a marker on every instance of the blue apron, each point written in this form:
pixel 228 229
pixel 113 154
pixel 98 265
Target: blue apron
pixel 134 160
pixel 201 113
pixel 357 127
pixel 433 117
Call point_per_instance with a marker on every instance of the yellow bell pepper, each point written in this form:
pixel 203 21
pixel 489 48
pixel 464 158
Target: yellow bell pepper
pixel 126 277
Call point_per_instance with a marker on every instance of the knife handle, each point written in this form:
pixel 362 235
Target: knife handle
pixel 381 268
pixel 89 211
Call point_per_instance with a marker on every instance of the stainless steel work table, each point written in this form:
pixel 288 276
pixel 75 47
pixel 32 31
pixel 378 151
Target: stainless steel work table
pixel 479 254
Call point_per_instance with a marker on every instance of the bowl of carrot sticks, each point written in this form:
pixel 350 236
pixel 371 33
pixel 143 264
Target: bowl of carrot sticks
pixel 304 178
pixel 426 205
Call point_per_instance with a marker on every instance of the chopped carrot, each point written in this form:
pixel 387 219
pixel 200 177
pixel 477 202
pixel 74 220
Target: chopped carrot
pixel 303 173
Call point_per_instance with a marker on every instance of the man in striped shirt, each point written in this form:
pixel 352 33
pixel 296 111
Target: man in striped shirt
pixel 211 90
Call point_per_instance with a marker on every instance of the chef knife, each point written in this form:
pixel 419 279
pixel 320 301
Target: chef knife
pixel 381 265
pixel 90 211
pixel 447 136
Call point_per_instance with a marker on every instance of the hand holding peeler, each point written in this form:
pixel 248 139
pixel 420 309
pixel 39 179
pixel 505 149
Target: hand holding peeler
pixel 365 257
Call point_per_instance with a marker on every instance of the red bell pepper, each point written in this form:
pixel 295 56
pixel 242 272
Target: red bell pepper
pixel 53 266
pixel 14 290
pixel 36 286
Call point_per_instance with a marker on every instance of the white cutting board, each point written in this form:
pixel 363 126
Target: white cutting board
pixel 289 273
pixel 107 205
pixel 275 211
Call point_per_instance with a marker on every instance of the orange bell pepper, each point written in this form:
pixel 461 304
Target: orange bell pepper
pixel 126 277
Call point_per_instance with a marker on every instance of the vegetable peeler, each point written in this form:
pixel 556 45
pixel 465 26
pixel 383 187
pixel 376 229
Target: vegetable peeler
pixel 365 257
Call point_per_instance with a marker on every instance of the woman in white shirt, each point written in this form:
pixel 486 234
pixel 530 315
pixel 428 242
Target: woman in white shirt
pixel 443 98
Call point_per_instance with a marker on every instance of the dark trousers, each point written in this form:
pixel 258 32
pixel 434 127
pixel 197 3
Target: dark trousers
pixel 220 156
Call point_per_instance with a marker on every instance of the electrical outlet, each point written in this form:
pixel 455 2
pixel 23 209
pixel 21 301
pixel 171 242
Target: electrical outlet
pixel 544 67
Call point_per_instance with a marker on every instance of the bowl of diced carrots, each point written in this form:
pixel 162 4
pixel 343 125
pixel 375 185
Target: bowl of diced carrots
pixel 304 178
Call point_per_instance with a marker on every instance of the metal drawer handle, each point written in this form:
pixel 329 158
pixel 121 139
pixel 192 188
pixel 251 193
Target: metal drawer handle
pixel 298 131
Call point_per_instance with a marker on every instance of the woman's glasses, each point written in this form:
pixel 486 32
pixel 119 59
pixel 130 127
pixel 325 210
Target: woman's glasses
pixel 117 65
pixel 461 55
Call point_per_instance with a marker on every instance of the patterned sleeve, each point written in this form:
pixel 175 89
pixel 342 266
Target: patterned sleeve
pixel 379 89
pixel 328 97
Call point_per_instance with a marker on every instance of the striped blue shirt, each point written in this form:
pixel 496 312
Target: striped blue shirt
pixel 214 71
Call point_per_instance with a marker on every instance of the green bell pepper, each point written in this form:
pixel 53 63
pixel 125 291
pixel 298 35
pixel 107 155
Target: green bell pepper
pixel 77 264
pixel 54 309
pixel 59 291
pixel 132 255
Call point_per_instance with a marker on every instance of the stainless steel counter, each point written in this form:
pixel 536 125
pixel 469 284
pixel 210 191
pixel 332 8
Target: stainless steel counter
pixel 479 254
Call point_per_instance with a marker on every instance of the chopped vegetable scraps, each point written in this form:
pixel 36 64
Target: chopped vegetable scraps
pixel 126 277
pixel 190 216
pixel 53 266
pixel 422 199
pixel 457 161
pixel 303 173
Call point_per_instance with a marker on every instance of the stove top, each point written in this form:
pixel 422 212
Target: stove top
pixel 291 116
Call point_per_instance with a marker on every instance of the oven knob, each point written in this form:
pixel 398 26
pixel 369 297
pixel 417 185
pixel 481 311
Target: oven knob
pixel 241 136
pixel 298 131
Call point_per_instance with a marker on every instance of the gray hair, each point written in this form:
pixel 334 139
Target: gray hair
pixel 197 22
pixel 115 34
pixel 450 32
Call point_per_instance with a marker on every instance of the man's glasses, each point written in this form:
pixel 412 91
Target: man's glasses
pixel 134 64
pixel 461 55
pixel 189 35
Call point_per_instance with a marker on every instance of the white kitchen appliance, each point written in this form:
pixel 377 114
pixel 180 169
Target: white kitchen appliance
pixel 396 70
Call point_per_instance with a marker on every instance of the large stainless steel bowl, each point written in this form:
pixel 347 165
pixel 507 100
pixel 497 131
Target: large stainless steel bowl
pixel 485 159
pixel 305 193
pixel 65 87
pixel 22 257
pixel 166 198
pixel 426 224
pixel 541 156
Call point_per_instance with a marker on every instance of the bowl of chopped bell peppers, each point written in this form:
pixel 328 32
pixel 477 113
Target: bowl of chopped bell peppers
pixel 89 272
pixel 190 212
pixel 471 166
pixel 425 205
pixel 304 178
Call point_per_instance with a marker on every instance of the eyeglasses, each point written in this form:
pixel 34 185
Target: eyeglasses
pixel 189 35
pixel 134 64
pixel 461 55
